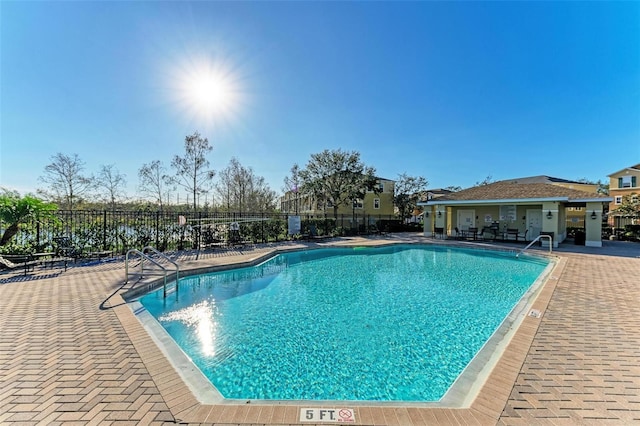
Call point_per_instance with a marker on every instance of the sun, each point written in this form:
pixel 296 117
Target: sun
pixel 210 93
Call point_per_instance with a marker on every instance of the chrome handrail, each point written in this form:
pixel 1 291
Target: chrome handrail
pixel 167 258
pixel 537 239
pixel 144 257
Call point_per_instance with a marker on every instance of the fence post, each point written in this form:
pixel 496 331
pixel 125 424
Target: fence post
pixel 104 230
pixel 158 229
pixel 198 230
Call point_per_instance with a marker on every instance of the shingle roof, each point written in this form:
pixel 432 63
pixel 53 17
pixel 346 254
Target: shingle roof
pixel 506 190
pixel 541 179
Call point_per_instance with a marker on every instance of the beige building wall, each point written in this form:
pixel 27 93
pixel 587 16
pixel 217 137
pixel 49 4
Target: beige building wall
pixel 629 176
pixel 593 227
pixel 371 204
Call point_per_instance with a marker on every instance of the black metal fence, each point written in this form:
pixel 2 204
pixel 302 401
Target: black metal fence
pixel 119 231
pixel 619 222
pixel 624 228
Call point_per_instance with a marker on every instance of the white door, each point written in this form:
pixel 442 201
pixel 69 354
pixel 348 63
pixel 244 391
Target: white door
pixel 466 219
pixel 534 223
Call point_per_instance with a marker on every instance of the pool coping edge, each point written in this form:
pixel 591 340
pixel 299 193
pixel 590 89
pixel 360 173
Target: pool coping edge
pixel 488 402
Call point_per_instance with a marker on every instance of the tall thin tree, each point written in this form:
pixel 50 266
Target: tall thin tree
pixel 241 190
pixel 192 170
pixel 154 182
pixel 292 185
pixel 65 179
pixel 111 185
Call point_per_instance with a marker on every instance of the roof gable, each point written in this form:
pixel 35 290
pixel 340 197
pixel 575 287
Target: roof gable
pixel 635 168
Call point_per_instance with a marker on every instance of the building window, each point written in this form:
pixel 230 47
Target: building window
pixel 376 203
pixel 618 199
pixel 634 198
pixel 627 182
pixel 379 188
pixel 357 204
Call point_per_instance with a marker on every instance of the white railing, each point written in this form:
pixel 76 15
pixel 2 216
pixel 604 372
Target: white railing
pixel 535 240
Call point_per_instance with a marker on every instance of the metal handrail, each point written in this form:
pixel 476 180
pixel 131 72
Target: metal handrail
pixel 150 259
pixel 537 239
pixel 165 257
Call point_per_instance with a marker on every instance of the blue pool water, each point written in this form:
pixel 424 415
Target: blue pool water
pixel 396 323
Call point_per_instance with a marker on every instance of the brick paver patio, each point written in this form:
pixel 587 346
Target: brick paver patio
pixel 71 352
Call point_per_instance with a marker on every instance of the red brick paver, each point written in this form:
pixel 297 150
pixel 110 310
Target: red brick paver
pixel 584 364
pixel 72 353
pixel 64 359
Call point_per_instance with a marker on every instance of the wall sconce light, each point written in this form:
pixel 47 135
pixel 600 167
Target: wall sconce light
pixel 439 214
pixel 549 215
pixel 426 214
pixel 594 215
pixel 524 218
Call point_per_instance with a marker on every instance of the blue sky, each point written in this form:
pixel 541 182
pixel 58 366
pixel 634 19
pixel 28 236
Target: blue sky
pixel 452 91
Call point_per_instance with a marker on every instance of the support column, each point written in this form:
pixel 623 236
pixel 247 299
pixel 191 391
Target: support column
pixel 428 221
pixel 593 225
pixel 440 218
pixel 550 220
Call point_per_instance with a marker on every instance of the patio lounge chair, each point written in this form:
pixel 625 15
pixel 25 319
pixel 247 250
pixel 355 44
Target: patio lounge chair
pixel 488 233
pixel 458 235
pixel 438 231
pixel 514 233
pixel 373 229
pixel 523 236
pixel 18 261
pixel 65 248
pixel 234 234
pixel 471 233
pixel 312 233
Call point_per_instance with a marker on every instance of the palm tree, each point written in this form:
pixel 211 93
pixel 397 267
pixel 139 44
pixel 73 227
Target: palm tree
pixel 16 210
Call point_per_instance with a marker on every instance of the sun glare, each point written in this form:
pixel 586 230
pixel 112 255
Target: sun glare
pixel 208 92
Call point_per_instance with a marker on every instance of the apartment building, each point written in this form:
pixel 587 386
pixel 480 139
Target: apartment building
pixel 378 202
pixel 623 187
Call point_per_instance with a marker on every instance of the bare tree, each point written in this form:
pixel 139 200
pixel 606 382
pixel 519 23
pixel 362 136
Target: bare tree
pixel 337 177
pixel 65 180
pixel 111 185
pixel 602 188
pixel 292 185
pixel 293 182
pixel 192 171
pixel 240 189
pixel 406 192
pixel 154 182
pixel 487 181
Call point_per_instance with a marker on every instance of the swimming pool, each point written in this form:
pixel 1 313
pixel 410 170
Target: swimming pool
pixel 395 323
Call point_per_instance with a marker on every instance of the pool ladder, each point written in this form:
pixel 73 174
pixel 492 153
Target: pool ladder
pixel 537 239
pixel 143 257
